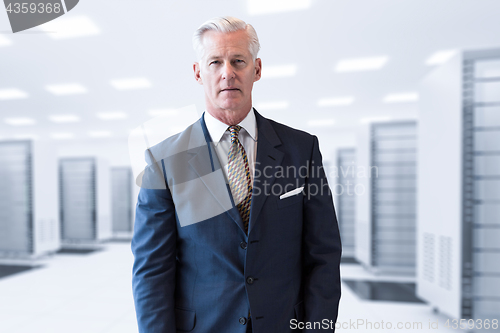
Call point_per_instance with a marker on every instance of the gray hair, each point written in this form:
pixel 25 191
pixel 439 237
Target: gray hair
pixel 225 25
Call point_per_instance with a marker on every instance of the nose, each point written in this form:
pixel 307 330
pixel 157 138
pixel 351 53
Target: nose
pixel 228 72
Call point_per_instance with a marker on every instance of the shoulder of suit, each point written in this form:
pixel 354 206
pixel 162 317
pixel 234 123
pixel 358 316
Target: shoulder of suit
pixel 284 131
pixel 175 144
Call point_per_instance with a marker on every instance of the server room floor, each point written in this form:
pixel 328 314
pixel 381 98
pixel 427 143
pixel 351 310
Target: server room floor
pixel 90 292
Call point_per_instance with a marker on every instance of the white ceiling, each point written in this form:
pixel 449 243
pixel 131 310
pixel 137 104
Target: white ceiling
pixel 152 39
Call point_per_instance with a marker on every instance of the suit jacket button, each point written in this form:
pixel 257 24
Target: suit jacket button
pixel 243 245
pixel 250 280
pixel 243 320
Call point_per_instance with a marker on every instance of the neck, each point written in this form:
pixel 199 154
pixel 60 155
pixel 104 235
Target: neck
pixel 229 117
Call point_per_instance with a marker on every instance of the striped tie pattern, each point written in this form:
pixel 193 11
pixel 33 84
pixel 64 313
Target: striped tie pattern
pixel 239 176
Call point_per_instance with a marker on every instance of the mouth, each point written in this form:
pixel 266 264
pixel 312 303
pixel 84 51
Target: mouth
pixel 230 89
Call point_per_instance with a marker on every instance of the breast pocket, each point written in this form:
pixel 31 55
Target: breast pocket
pixel 293 200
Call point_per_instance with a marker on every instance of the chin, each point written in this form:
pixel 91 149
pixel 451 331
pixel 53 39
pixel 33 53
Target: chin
pixel 231 106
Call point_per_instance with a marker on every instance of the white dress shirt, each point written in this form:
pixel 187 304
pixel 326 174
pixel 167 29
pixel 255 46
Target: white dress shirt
pixel 221 138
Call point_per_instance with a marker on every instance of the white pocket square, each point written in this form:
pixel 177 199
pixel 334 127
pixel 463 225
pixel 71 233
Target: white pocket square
pixel 292 192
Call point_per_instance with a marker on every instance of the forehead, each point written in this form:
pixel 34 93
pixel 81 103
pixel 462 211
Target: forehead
pixel 218 44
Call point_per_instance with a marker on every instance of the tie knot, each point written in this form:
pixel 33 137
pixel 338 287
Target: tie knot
pixel 234 130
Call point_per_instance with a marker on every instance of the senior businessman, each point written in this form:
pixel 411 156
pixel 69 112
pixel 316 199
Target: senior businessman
pixel 235 227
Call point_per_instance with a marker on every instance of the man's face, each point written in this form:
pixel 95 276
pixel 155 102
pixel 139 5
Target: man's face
pixel 227 71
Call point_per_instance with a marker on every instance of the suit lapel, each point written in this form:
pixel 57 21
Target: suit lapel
pixel 267 156
pixel 205 161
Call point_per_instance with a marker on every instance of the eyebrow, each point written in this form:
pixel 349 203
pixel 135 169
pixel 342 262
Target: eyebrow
pixel 218 57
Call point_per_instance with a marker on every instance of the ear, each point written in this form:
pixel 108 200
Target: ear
pixel 258 69
pixel 197 74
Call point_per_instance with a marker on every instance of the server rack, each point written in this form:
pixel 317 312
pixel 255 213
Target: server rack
pixel 121 193
pixel 84 200
pixel 459 243
pixel 28 199
pixel 481 196
pixel 386 226
pixel 346 199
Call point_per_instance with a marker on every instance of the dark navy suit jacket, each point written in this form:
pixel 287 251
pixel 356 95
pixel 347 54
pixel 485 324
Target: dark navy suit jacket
pixel 194 272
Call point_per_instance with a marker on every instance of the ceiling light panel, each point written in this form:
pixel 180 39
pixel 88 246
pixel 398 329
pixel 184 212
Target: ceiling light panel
pixel 335 101
pixel 26 136
pixel 64 118
pixel 279 71
pixel 6 94
pixel 374 119
pixel 440 57
pixel 20 121
pixel 259 7
pixel 401 97
pixel 99 134
pixel 4 41
pixel 66 89
pixel 361 64
pixel 70 27
pixel 111 115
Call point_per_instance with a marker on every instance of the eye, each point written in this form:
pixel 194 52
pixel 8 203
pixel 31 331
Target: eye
pixel 215 62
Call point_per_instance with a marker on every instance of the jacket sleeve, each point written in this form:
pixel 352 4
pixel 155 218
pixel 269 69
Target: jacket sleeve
pixel 322 247
pixel 154 249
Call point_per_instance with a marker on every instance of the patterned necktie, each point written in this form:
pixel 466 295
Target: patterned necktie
pixel 239 176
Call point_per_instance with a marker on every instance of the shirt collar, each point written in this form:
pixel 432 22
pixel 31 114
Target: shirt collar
pixel 216 128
